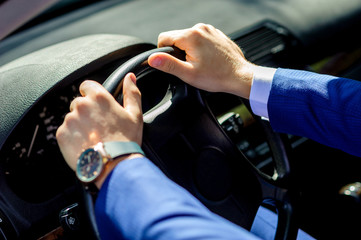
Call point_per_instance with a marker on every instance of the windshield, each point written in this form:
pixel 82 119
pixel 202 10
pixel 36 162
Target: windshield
pixel 18 15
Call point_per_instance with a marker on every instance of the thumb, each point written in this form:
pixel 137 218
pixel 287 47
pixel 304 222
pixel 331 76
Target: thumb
pixel 169 64
pixel 131 95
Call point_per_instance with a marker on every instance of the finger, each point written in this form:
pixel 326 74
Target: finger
pixel 90 87
pixel 64 135
pixel 168 38
pixel 169 64
pixel 74 103
pixel 132 96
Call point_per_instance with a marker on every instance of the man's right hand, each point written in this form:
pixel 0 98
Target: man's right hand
pixel 213 61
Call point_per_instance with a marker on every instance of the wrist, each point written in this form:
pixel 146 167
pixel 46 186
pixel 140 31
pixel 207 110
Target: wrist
pixel 95 163
pixel 110 167
pixel 243 80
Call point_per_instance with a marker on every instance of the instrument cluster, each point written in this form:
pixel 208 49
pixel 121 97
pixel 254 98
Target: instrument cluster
pixel 30 159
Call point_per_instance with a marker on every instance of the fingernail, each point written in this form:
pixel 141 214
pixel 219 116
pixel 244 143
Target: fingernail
pixel 156 62
pixel 132 77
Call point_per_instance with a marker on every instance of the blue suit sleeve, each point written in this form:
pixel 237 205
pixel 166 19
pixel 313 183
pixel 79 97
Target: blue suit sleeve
pixel 137 201
pixel 324 108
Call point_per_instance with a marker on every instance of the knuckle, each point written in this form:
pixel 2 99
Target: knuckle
pixel 136 92
pixel 102 101
pixel 77 103
pixel 83 106
pixel 170 66
pixel 60 133
pixel 165 38
pixel 200 25
pixel 69 120
pixel 195 32
pixel 99 98
pixel 203 27
pixel 161 36
pixel 200 32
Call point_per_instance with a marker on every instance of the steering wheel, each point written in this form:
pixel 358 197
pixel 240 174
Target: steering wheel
pixel 184 139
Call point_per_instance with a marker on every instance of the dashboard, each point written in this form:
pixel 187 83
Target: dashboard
pixel 36 184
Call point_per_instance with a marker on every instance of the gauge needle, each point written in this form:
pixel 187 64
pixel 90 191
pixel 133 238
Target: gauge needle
pixel 33 139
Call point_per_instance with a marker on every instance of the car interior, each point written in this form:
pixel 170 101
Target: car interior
pixel 209 143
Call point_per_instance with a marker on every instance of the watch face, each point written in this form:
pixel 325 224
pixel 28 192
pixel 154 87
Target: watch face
pixel 89 166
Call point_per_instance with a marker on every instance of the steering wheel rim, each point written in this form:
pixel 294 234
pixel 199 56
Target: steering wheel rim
pixel 274 190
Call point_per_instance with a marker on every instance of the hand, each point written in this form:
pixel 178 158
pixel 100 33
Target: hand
pixel 98 117
pixel 213 61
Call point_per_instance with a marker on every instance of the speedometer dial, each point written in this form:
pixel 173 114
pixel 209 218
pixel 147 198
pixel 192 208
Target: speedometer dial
pixel 32 151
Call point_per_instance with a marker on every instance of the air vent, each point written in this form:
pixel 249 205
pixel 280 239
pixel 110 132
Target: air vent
pixel 266 44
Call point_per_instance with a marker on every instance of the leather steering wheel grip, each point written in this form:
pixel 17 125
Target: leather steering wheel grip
pixel 137 65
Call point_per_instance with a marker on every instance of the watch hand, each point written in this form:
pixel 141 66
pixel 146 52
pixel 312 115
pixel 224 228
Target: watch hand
pixel 33 139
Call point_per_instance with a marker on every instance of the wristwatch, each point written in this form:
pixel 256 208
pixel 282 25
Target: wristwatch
pixel 92 160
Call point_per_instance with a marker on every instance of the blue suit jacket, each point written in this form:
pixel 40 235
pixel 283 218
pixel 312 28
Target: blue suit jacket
pixel 324 108
pixel 137 201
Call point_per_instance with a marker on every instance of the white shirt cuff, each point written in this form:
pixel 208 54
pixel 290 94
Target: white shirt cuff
pixel 260 90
